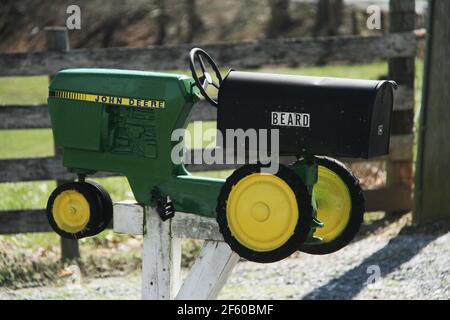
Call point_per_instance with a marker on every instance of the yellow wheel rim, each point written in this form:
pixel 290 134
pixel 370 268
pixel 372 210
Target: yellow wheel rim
pixel 262 212
pixel 333 204
pixel 71 211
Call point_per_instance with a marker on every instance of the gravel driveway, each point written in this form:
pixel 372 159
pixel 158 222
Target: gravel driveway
pixel 398 262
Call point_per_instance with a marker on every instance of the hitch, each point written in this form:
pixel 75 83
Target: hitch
pixel 164 206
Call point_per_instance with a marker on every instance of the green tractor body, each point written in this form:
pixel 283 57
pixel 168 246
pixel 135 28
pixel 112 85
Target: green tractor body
pixel 121 121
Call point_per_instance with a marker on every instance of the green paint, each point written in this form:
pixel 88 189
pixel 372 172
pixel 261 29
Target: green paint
pixel 133 141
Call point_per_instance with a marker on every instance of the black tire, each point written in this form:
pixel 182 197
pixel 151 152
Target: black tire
pixel 106 212
pixel 93 200
pixel 301 230
pixel 356 214
pixel 100 206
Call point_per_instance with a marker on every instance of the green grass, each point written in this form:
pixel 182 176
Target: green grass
pixel 360 71
pixel 418 84
pixel 34 241
pixel 26 143
pixel 23 90
pixel 25 195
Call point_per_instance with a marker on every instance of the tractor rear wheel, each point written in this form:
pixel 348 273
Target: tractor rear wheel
pixel 79 209
pixel 264 217
pixel 340 207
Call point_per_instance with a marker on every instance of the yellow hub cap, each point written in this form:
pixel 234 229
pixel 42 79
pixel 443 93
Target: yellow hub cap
pixel 71 211
pixel 333 204
pixel 262 212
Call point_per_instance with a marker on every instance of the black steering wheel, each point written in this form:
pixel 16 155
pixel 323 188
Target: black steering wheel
pixel 205 80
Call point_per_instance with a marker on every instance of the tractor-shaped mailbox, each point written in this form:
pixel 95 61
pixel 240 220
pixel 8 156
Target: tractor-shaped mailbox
pixel 121 121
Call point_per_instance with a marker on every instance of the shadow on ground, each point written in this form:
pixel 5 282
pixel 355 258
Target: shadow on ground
pixel 400 249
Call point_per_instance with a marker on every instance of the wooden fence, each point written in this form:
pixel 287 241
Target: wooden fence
pixel 398 47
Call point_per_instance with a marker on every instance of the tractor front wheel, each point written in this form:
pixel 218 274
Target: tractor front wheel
pixel 79 209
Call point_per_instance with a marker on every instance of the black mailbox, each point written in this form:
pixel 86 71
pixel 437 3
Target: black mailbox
pixel 314 115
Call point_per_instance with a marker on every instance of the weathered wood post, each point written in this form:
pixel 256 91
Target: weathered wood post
pixel 161 258
pixel 402 70
pixel 57 39
pixel 432 185
pixel 162 252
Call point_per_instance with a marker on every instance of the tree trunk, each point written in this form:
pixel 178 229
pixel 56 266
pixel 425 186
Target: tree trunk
pixel 329 17
pixel 355 22
pixel 280 20
pixel 161 22
pixel 9 15
pixel 194 22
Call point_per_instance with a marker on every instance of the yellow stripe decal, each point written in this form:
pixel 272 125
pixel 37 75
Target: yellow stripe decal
pixel 119 101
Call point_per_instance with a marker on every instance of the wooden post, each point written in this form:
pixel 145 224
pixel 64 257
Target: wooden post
pixel 432 183
pixel 57 39
pixel 212 269
pixel 161 259
pixel 402 70
pixel 162 252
